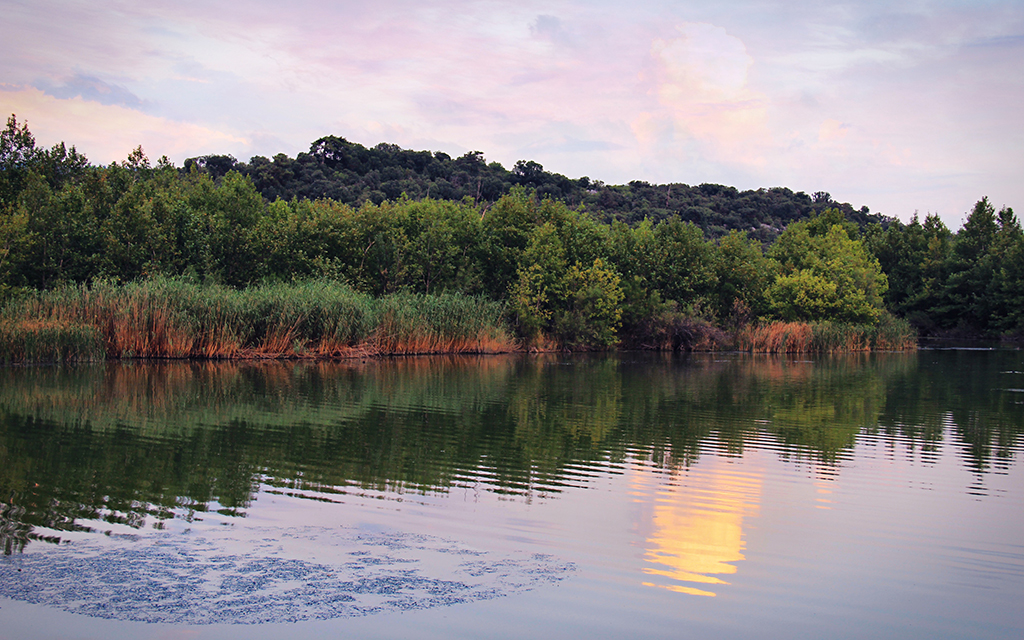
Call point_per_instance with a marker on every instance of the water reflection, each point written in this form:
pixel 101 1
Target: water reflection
pixel 696 532
pixel 140 443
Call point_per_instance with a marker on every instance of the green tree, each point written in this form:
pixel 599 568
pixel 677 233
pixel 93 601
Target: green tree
pixel 443 246
pixel 743 275
pixel 15 240
pixel 63 243
pixel 591 311
pixel 538 287
pixel 1008 289
pixel 18 155
pixel 928 309
pixel 972 270
pixel 631 251
pixel 507 229
pixel 825 275
pixel 235 209
pixel 684 265
pixel 577 305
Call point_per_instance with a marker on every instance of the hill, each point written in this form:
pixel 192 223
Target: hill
pixel 350 173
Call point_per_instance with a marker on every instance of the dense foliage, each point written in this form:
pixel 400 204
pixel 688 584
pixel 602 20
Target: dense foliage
pixel 567 276
pixel 968 283
pixel 350 173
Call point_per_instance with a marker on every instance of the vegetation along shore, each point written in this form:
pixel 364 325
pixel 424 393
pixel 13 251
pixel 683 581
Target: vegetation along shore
pixel 210 261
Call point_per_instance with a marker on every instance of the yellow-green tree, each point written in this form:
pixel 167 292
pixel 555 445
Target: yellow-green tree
pixel 824 274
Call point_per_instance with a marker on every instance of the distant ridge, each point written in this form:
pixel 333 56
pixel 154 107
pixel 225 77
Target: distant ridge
pixel 348 172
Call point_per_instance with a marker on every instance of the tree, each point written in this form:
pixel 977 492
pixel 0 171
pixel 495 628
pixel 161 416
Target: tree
pixel 972 269
pixel 825 276
pixel 683 265
pixel 538 285
pixel 443 242
pixel 1008 289
pixel 590 311
pixel 216 165
pixel 506 232
pixel 743 275
pixel 18 153
pixel 631 252
pixel 528 172
pixel 578 305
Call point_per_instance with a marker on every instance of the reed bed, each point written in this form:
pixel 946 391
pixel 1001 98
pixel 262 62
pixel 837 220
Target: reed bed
pixel 411 324
pixel 175 318
pixel 889 334
pixel 775 337
pixel 48 341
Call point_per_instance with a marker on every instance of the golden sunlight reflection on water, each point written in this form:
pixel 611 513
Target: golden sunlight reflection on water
pixel 696 525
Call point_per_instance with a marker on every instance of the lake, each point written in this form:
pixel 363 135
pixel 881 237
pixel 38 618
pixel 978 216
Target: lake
pixel 547 496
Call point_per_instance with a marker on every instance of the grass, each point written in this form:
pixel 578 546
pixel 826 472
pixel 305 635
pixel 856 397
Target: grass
pixel 175 318
pixel 440 324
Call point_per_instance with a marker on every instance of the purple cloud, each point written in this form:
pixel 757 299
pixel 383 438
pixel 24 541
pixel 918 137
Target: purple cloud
pixel 94 89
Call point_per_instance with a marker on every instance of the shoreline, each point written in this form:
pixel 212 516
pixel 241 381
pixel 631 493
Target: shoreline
pixel 177 319
pixel 775 338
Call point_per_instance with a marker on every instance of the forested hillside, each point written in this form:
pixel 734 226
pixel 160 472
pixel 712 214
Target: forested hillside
pixel 352 174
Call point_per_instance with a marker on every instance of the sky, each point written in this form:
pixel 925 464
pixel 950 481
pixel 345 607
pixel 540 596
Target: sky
pixel 903 107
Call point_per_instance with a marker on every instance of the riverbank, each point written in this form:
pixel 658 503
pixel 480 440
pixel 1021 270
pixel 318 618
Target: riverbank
pixel 174 318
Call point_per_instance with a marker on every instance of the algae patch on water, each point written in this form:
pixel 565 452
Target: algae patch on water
pixel 193 579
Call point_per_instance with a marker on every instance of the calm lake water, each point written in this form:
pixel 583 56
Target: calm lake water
pixel 598 496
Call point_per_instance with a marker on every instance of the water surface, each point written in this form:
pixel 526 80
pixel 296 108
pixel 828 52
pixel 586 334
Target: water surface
pixel 723 496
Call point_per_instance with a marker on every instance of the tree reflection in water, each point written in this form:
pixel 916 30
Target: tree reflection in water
pixel 140 443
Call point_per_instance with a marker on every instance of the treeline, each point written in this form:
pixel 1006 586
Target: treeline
pixel 352 174
pixel 969 283
pixel 566 277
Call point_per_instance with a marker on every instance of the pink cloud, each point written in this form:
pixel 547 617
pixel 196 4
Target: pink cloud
pixel 105 133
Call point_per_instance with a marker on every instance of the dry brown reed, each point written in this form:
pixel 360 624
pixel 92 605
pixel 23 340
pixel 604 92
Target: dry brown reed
pixel 889 334
pixel 45 340
pixel 775 337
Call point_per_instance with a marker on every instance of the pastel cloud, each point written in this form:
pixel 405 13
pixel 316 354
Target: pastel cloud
pixel 701 81
pixel 91 88
pixel 833 130
pixel 109 132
